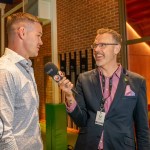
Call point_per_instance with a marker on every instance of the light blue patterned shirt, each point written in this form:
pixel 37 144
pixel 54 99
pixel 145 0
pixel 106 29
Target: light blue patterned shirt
pixel 19 103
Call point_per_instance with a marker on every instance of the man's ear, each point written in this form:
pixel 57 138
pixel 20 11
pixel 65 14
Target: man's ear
pixel 21 32
pixel 117 49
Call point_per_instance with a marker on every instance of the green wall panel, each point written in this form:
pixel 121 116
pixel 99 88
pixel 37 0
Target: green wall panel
pixel 56 127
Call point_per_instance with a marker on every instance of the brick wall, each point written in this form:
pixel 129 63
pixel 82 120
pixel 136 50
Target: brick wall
pixel 78 21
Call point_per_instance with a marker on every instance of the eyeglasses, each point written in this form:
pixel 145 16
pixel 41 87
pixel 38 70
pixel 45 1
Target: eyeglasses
pixel 101 45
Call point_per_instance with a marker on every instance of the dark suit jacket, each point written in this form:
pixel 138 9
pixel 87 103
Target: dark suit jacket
pixel 126 114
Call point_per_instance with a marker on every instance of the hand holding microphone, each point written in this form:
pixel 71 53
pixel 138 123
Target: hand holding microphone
pixel 58 76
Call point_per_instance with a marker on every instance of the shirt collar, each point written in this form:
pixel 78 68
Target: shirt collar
pixel 117 72
pixel 15 58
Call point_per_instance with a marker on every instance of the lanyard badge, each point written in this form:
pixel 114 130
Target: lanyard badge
pixel 100 116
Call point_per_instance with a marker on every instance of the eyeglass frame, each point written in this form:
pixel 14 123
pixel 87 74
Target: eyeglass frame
pixel 101 45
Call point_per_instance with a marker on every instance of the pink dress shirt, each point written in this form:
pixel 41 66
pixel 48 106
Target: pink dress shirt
pixel 109 95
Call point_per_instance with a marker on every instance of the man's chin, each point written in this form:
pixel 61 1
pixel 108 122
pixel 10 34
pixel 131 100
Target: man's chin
pixel 98 64
pixel 35 55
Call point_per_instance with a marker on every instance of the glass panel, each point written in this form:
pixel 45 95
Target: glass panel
pixel 137 16
pixel 139 61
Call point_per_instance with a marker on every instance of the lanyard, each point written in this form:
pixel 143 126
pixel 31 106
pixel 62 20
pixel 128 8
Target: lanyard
pixel 103 88
pixel 103 83
pixel 103 100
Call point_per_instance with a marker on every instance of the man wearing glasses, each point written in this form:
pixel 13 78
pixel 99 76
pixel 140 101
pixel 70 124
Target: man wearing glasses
pixel 111 105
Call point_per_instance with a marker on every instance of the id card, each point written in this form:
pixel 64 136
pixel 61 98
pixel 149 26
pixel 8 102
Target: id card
pixel 100 117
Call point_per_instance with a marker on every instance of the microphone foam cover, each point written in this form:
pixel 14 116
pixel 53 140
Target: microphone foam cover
pixel 51 69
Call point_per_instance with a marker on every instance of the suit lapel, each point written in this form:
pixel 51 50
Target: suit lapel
pixel 96 84
pixel 119 92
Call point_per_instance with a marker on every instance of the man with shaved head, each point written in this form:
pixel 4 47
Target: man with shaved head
pixel 19 99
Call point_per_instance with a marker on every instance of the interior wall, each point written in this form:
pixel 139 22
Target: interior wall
pixel 78 21
pixel 139 58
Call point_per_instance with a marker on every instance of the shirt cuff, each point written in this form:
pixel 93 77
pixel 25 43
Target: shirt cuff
pixel 71 107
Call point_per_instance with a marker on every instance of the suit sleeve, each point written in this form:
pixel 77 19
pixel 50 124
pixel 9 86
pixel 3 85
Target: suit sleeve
pixel 79 115
pixel 7 100
pixel 141 119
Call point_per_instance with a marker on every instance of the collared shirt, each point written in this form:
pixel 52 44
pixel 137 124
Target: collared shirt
pixel 19 103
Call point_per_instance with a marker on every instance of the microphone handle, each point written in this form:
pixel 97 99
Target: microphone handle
pixel 74 91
